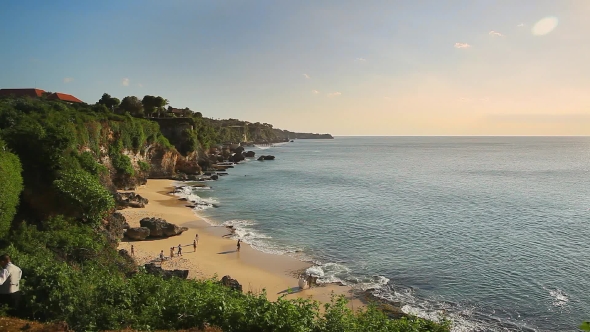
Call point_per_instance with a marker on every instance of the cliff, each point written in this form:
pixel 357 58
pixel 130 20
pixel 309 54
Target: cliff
pixel 285 134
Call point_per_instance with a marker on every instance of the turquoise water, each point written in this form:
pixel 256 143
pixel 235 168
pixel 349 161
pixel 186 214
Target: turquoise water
pixel 494 231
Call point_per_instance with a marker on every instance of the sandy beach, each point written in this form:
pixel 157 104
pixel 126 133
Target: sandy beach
pixel 215 254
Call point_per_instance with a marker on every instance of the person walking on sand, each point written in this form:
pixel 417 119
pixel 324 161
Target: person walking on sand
pixel 179 250
pixel 197 238
pixel 171 252
pixel 239 241
pixel 195 245
pixel 162 256
pixel 132 251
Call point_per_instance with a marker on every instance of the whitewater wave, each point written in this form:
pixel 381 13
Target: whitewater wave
pixel 198 202
pixel 242 229
pixel 559 297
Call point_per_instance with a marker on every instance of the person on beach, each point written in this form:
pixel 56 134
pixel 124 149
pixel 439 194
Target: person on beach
pixel 195 245
pixel 132 251
pixel 179 250
pixel 171 252
pixel 197 238
pixel 162 256
pixel 309 280
pixel 239 241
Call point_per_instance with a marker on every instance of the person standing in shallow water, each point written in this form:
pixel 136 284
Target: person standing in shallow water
pixel 10 283
pixel 239 241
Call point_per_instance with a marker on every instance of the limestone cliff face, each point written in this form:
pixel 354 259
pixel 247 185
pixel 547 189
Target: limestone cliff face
pixel 162 162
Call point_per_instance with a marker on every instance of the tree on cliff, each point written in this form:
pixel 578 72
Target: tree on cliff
pixel 132 105
pixel 153 104
pixel 110 102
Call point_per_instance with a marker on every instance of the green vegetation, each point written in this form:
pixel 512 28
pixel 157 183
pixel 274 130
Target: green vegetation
pixel 85 194
pixel 143 166
pixel 72 270
pixel 11 183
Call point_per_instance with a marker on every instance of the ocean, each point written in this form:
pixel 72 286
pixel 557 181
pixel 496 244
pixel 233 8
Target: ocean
pixel 491 231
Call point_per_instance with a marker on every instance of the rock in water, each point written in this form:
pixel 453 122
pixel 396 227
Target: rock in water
pixel 152 268
pixel 250 154
pixel 231 283
pixel 161 228
pixel 137 233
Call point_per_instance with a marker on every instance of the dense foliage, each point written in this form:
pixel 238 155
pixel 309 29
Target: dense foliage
pixel 81 189
pixel 11 184
pixel 72 271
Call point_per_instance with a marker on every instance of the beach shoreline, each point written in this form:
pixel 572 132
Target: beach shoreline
pixel 216 255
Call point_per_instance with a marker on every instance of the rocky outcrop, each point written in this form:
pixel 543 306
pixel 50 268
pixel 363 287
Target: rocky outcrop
pixel 189 167
pixel 239 150
pixel 131 199
pixel 115 227
pixel 266 158
pixel 153 269
pixel 250 154
pixel 231 283
pixel 161 228
pixel 236 158
pixel 137 233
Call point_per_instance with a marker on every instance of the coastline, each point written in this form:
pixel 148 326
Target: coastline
pixel 216 255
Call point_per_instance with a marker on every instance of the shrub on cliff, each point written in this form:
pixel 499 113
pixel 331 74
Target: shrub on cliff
pixel 85 195
pixel 11 184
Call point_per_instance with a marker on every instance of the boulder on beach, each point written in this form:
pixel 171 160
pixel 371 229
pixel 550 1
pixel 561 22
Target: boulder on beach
pixel 231 283
pixel 137 233
pixel 115 226
pixel 161 228
pixel 130 199
pixel 153 269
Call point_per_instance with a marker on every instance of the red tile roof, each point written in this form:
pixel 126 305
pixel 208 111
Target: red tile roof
pixel 64 97
pixel 22 92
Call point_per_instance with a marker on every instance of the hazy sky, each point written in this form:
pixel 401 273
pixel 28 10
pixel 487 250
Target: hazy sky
pixel 344 67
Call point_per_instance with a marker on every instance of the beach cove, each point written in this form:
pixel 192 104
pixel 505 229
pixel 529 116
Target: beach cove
pixel 216 255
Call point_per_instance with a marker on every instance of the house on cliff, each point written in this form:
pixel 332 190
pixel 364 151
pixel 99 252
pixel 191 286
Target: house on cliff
pixel 38 93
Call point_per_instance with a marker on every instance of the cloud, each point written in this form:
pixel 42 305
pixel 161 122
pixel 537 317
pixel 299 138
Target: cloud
pixel 68 79
pixel 125 82
pixel 334 94
pixel 361 59
pixel 545 26
pixel 306 76
pixel 315 92
pixel 520 25
pixel 495 34
pixel 462 45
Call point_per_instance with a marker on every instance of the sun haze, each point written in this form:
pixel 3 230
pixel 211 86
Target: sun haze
pixel 343 67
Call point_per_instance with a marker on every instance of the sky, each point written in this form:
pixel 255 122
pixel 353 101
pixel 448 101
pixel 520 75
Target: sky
pixel 415 67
